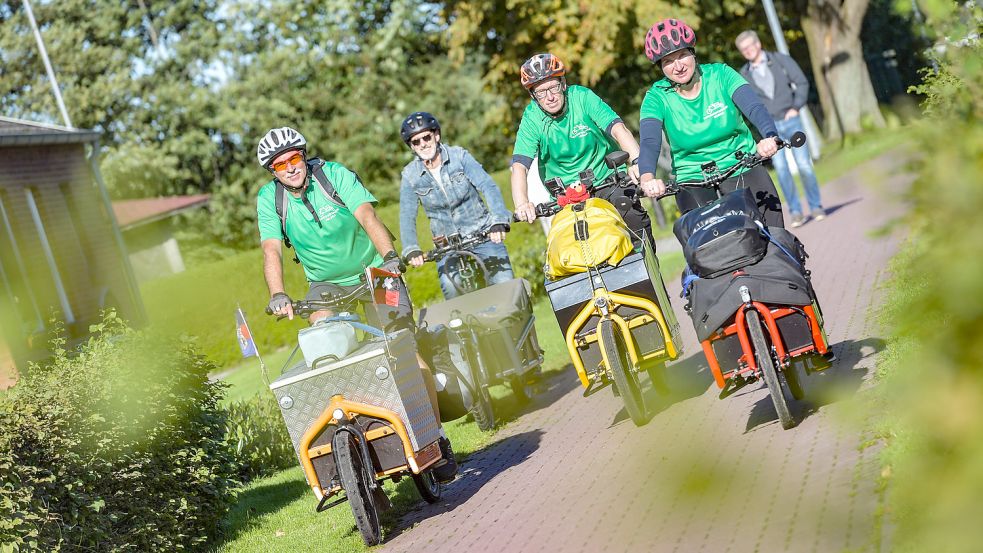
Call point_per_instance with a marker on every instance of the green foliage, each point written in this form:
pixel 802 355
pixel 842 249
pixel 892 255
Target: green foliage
pixel 601 43
pixel 933 394
pixel 118 446
pixel 257 434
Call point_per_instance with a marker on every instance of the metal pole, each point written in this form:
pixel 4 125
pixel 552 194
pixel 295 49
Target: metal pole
pixel 813 138
pixel 47 65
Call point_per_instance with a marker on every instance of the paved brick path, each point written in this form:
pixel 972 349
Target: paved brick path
pixel 705 474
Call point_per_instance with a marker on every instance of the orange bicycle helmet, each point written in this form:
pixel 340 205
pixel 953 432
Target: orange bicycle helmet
pixel 540 68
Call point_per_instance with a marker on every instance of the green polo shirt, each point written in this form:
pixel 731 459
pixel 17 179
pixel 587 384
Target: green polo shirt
pixel 572 143
pixel 707 128
pixel 338 250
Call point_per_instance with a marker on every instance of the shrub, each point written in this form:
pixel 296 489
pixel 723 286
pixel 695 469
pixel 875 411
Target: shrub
pixel 257 434
pixel 119 446
pixel 933 414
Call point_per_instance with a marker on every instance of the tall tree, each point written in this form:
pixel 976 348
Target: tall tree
pixel 832 30
pixel 600 41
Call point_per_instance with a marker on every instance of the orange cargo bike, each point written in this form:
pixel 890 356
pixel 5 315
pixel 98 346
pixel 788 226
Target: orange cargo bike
pixel 757 318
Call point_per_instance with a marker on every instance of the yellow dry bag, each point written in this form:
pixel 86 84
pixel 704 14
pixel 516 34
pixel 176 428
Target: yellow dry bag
pixel 585 235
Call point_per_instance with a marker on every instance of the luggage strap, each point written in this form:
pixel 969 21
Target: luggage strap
pixel 353 320
pixel 781 247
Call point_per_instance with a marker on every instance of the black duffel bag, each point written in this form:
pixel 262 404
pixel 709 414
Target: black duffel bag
pixel 778 278
pixel 723 235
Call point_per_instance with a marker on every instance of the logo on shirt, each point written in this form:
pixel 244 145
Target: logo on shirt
pixel 715 110
pixel 326 213
pixel 579 131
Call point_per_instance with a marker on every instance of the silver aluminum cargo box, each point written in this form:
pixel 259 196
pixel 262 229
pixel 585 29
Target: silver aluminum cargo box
pixel 303 393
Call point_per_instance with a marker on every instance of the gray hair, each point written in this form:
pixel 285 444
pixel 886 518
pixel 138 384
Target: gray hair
pixel 744 36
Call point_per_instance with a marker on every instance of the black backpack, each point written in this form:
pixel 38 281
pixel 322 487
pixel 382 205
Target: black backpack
pixel 723 235
pixel 315 167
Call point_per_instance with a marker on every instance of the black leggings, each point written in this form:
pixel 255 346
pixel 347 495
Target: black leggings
pixel 627 202
pixel 757 179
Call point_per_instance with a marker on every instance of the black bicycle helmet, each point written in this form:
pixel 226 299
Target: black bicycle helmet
pixel 416 123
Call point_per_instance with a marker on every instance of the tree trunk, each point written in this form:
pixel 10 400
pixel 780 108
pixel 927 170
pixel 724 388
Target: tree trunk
pixel 832 30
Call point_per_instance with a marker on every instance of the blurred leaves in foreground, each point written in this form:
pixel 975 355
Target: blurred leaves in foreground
pixel 932 395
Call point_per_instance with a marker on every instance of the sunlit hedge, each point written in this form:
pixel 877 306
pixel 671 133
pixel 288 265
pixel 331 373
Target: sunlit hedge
pixel 118 446
pixel 258 436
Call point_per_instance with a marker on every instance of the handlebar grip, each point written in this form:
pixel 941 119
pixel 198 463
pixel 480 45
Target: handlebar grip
pixel 268 311
pixel 672 188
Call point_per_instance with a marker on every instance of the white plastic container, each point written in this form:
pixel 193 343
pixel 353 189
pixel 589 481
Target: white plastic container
pixel 327 342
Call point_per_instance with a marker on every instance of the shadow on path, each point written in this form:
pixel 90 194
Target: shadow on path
pixel 836 383
pixel 686 378
pixel 480 469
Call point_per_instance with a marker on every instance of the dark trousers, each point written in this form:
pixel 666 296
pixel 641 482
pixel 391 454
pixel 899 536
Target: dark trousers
pixel 757 179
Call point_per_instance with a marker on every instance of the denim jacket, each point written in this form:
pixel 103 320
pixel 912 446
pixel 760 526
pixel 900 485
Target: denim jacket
pixel 453 206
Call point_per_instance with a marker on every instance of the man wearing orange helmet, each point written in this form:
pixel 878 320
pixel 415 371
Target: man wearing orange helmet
pixel 571 129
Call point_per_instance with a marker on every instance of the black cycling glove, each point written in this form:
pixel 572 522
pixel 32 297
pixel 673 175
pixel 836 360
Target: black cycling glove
pixel 392 263
pixel 279 302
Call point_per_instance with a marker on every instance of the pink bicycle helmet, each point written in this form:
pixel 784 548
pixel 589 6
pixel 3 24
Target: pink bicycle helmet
pixel 668 36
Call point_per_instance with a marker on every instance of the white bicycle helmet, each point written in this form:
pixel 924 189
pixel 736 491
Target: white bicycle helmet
pixel 277 141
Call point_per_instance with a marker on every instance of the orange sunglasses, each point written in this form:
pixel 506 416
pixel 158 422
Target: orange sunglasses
pixel 294 160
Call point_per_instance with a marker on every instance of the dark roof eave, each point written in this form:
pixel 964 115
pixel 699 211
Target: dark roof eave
pixel 78 137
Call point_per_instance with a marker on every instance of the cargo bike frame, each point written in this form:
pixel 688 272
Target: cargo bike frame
pixel 491 353
pixel 616 320
pixel 353 444
pixel 764 339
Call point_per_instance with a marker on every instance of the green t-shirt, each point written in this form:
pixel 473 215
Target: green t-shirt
pixel 337 251
pixel 707 128
pixel 574 142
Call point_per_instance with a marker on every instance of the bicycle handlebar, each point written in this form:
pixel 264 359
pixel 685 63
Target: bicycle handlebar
pixel 745 161
pixel 548 209
pixel 454 243
pixel 329 302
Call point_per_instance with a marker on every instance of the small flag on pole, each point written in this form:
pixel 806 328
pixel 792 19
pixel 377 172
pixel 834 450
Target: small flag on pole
pixel 245 338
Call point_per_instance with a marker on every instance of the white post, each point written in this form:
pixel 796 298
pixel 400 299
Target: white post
pixel 47 65
pixel 813 140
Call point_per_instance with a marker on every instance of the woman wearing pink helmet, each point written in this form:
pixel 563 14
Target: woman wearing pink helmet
pixel 701 108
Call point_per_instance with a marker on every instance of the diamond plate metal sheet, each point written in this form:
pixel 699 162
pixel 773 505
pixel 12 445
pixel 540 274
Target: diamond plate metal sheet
pixel 401 391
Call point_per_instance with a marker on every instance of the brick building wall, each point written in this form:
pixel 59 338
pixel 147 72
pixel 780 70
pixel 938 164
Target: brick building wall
pixel 80 234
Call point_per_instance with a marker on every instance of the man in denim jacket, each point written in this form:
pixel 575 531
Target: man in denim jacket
pixel 447 180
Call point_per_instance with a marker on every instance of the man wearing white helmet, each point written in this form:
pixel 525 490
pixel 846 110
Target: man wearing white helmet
pixel 323 211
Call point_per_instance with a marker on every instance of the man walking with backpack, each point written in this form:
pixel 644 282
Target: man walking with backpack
pixel 783 89
pixel 322 210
